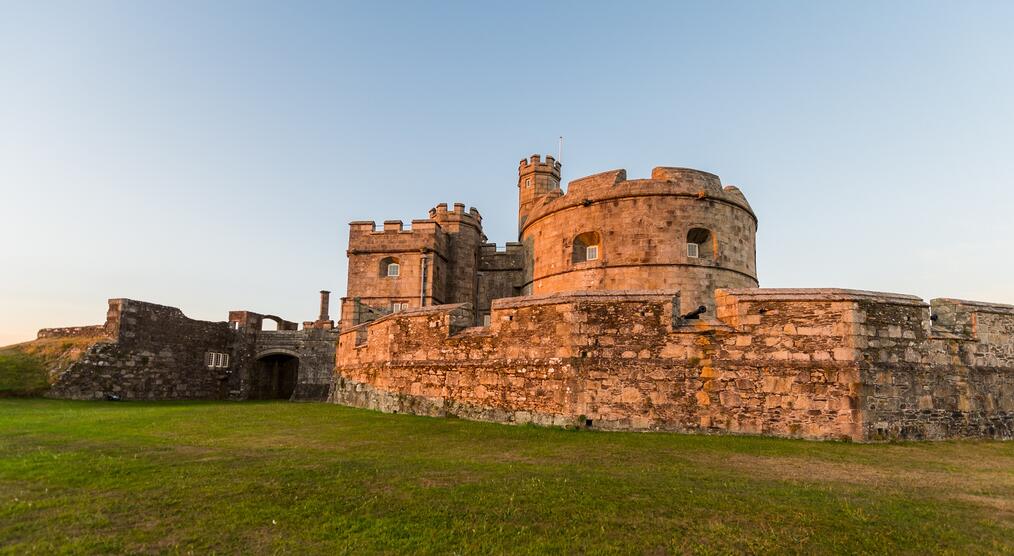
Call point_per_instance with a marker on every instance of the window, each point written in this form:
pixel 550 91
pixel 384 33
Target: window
pixel 528 182
pixel 587 247
pixel 486 320
pixel 700 244
pixel 390 267
pixel 398 306
pixel 216 360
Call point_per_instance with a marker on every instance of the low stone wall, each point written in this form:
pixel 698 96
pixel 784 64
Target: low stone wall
pixel 72 332
pixel 822 364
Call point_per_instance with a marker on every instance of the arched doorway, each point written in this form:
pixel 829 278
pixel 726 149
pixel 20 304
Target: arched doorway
pixel 274 377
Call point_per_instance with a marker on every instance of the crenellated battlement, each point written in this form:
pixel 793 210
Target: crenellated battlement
pixel 437 215
pixel 509 248
pixel 441 213
pixel 612 185
pixel 535 164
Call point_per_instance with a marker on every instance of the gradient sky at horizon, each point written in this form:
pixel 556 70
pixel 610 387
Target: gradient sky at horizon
pixel 210 155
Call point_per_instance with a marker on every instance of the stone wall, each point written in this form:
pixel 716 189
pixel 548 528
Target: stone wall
pixel 822 364
pixel 72 331
pixel 157 354
pixel 315 349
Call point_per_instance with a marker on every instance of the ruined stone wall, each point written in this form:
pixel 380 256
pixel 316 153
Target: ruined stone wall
pixel 803 363
pixel 72 331
pixel 643 228
pixel 157 354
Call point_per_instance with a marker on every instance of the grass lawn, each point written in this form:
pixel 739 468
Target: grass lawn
pixel 95 477
pixel 24 368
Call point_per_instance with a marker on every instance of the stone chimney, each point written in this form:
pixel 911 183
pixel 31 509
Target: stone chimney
pixel 325 304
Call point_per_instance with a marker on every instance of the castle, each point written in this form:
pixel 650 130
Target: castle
pixel 678 231
pixel 625 304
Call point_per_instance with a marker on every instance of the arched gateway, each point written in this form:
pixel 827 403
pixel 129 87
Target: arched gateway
pixel 274 375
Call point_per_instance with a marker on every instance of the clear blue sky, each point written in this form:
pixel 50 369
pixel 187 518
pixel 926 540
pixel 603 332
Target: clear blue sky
pixel 208 155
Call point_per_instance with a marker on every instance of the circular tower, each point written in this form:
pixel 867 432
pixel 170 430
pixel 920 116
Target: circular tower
pixel 680 230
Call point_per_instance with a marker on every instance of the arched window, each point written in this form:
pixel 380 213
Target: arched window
pixel 587 247
pixel 390 267
pixel 700 244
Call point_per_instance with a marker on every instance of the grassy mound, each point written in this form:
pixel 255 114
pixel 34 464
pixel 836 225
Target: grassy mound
pixel 28 369
pixel 282 478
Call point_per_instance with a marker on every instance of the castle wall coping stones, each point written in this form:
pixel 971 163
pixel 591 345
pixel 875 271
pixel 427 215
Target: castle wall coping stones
pixel 818 294
pixel 628 296
pixel 979 306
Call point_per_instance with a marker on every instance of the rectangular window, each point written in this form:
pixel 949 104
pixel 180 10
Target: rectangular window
pixel 215 360
pixel 399 306
pixel 693 250
pixel 393 269
pixel 486 320
pixel 592 252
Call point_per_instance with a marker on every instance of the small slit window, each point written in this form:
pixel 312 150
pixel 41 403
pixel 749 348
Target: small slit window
pixel 587 247
pixel 700 244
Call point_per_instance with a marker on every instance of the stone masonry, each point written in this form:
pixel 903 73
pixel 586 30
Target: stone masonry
pixel 821 364
pixel 154 352
pixel 633 305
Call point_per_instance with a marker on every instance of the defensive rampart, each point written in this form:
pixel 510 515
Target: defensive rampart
pixel 821 364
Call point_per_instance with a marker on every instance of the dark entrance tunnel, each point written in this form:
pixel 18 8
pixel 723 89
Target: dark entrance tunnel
pixel 274 377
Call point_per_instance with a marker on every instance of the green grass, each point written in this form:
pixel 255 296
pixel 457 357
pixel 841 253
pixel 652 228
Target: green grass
pixel 21 374
pixel 25 368
pixel 93 477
